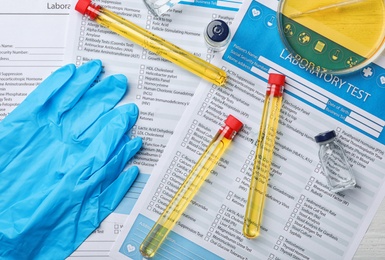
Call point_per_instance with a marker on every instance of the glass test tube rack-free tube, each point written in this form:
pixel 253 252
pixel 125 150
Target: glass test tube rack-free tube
pixel 152 42
pixel 190 186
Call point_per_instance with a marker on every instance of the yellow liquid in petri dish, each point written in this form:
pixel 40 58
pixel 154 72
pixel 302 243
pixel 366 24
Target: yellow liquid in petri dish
pixel 357 25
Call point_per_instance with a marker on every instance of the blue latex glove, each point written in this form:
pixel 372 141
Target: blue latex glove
pixel 62 151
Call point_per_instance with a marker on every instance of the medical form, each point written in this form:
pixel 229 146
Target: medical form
pixel 161 89
pixel 28 54
pixel 302 218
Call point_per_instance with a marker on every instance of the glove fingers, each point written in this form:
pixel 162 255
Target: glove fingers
pixel 110 198
pixel 111 170
pixel 39 96
pixel 111 129
pixel 95 102
pixel 130 111
pixel 67 96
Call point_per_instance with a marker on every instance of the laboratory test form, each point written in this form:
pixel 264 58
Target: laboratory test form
pixel 161 90
pixel 28 54
pixel 302 218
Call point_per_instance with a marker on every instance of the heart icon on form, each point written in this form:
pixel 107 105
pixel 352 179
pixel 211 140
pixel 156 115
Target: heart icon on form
pixel 130 248
pixel 255 12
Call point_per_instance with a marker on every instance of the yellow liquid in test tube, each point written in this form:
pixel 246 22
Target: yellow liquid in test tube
pixel 152 42
pixel 263 156
pixel 190 187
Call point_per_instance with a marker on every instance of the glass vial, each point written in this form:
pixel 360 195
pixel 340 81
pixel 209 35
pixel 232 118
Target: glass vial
pixel 334 162
pixel 159 7
pixel 217 35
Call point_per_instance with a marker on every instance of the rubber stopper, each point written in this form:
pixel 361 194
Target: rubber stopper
pixel 217 31
pixel 233 123
pixel 325 136
pixel 82 6
pixel 276 79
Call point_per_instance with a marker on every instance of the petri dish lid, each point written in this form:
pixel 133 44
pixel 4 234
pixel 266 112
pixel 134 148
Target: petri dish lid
pixel 330 36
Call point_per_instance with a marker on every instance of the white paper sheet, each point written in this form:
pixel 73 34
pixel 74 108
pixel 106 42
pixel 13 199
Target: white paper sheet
pixel 31 46
pixel 302 218
pixel 161 89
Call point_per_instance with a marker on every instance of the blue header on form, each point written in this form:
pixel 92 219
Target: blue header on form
pixel 365 89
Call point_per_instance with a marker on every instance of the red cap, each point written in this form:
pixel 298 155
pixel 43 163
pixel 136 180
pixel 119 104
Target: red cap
pixel 275 87
pixel 82 7
pixel 276 79
pixel 233 123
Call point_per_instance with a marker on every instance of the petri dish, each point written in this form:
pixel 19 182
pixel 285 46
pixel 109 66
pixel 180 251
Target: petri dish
pixel 330 36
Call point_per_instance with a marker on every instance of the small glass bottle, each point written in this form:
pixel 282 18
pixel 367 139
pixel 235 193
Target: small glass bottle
pixel 217 35
pixel 159 7
pixel 334 162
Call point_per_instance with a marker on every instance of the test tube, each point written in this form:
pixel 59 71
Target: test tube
pixel 152 42
pixel 190 186
pixel 263 156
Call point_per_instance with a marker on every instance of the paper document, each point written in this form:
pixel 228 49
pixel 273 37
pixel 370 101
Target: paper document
pixel 302 219
pixel 31 47
pixel 161 89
